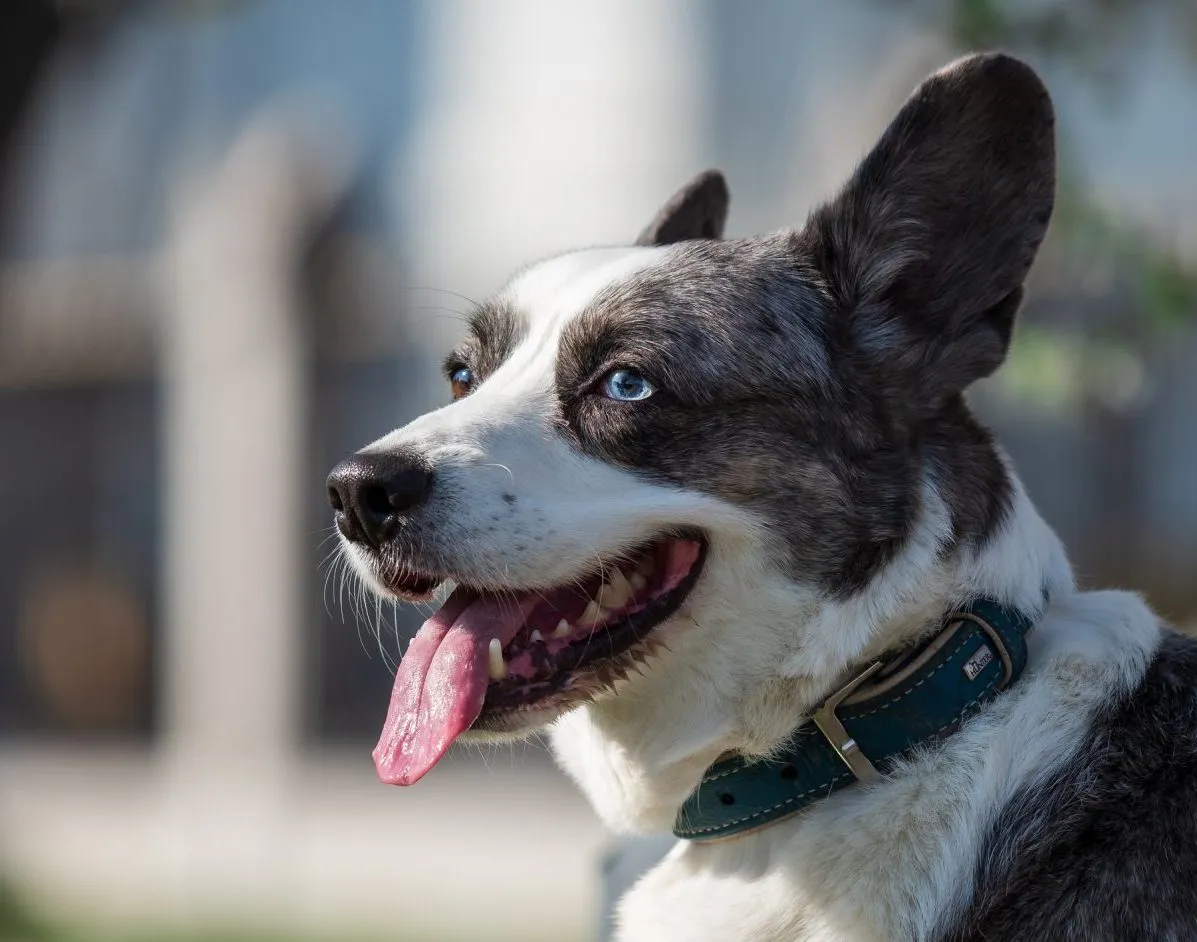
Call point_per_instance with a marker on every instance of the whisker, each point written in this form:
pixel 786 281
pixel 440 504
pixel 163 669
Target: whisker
pixel 330 571
pixel 503 466
pixel 453 294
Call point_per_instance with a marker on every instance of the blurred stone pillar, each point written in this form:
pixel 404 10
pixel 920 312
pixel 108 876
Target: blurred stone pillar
pixel 546 126
pixel 236 401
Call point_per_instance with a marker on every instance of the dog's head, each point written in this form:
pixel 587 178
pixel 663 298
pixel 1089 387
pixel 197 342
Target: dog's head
pixel 661 462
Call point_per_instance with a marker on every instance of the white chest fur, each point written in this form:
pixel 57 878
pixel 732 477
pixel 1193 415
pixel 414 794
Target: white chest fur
pixel 891 861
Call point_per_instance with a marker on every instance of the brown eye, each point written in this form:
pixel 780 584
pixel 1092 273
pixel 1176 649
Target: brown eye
pixel 462 381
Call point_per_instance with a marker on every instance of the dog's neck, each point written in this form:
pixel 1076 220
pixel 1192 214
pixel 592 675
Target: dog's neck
pixel 638 755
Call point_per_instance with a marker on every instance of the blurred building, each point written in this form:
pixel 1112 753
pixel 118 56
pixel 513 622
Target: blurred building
pixel 235 239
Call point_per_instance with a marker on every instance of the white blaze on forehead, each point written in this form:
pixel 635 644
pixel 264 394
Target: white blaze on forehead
pixel 549 295
pixel 544 299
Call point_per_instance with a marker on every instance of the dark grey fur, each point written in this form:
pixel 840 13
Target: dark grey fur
pixel 817 377
pixel 495 330
pixel 697 211
pixel 1107 849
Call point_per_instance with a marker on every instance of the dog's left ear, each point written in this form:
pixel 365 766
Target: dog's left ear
pixel 696 211
pixel 927 247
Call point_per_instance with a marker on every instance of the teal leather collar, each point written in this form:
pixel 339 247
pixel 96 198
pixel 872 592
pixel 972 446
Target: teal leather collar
pixel 883 713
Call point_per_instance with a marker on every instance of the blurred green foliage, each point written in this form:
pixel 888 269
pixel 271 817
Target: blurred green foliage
pixel 1152 284
pixel 1159 281
pixel 19 923
pixel 1092 37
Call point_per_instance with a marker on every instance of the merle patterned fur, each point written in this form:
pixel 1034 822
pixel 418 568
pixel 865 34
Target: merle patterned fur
pixel 1106 848
pixel 816 377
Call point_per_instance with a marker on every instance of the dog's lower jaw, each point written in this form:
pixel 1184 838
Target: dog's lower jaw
pixel 638 752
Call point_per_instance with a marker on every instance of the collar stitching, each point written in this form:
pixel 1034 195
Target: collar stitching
pixel 906 693
pixel 764 811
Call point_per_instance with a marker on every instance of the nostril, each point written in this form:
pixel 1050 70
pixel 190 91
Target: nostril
pixel 377 500
pixel 404 489
pixel 334 498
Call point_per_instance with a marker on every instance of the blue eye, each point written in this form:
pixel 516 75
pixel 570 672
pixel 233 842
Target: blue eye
pixel 626 386
pixel 461 380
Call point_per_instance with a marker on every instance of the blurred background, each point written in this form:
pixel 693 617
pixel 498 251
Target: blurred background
pixel 235 240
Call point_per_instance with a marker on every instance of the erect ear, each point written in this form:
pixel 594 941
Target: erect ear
pixel 696 211
pixel 927 246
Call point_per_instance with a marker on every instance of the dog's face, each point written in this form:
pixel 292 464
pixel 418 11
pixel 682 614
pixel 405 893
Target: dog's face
pixel 661 461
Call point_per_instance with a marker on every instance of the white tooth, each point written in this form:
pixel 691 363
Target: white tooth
pixel 616 592
pixel 535 636
pixel 637 582
pixel 496 666
pixel 592 614
pixel 563 628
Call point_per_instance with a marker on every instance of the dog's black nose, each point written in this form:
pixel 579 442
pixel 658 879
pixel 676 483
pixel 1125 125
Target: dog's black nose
pixel 370 492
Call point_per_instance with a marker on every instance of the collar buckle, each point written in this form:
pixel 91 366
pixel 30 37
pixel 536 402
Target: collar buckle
pixel 838 737
pixel 932 687
pixel 833 730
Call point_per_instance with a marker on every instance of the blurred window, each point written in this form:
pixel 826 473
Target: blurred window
pixel 79 505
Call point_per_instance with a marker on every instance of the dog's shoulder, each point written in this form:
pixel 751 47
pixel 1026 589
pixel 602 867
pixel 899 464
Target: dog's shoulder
pixel 1106 848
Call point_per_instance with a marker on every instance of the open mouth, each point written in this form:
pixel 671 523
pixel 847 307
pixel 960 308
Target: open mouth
pixel 486 656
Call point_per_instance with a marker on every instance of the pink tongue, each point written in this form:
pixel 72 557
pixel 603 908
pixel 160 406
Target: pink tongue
pixel 442 680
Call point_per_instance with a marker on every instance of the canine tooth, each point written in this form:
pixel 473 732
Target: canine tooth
pixel 535 636
pixel 592 613
pixel 496 666
pixel 637 582
pixel 563 628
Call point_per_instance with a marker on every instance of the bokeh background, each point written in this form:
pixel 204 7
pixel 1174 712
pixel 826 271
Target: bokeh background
pixel 235 239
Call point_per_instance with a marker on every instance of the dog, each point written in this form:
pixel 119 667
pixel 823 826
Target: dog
pixel 719 518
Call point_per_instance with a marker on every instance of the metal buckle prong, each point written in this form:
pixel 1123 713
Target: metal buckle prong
pixel 833 730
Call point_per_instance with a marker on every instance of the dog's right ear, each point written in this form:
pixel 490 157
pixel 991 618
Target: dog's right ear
pixel 926 248
pixel 696 211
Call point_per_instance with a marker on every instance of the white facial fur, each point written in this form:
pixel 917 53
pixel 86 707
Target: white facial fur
pixel 529 511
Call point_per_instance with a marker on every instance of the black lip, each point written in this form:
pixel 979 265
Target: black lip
pixel 407 585
pixel 603 658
